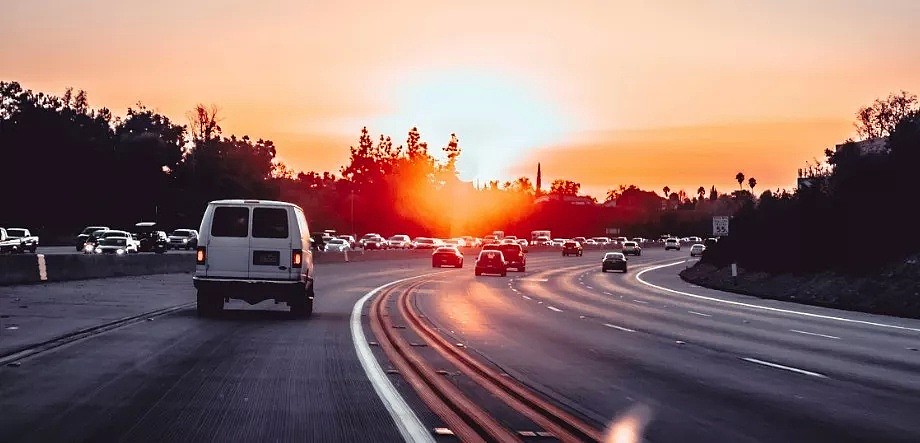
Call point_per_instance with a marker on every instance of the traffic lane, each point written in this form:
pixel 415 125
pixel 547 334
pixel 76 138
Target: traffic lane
pixel 64 250
pixel 36 313
pixel 614 298
pixel 696 392
pixel 253 374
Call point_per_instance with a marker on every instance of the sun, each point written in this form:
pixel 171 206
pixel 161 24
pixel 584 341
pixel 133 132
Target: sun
pixel 497 118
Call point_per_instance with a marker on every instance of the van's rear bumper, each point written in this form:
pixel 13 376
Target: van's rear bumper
pixel 252 291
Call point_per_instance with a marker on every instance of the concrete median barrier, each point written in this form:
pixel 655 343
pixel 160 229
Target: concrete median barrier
pixel 18 269
pixel 21 269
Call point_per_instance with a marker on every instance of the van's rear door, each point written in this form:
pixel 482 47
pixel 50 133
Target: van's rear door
pixel 228 242
pixel 270 243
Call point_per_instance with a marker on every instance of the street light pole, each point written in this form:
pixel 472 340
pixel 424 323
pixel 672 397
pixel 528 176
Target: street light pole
pixel 353 213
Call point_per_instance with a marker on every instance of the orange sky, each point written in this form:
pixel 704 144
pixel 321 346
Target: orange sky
pixel 679 93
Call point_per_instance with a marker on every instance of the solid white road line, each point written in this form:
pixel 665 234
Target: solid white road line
pixel 699 313
pixel 408 424
pixel 554 308
pixel 787 368
pixel 814 333
pixel 618 327
pixel 533 279
pixel 765 308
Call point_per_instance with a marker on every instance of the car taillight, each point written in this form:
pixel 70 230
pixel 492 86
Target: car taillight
pixel 296 258
pixel 201 255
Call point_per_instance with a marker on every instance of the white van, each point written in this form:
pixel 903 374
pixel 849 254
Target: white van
pixel 254 250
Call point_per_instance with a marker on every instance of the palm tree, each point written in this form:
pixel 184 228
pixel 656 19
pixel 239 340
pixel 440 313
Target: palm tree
pixel 701 191
pixel 752 182
pixel 740 178
pixel 667 191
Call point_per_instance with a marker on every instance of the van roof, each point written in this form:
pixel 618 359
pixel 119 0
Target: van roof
pixel 252 202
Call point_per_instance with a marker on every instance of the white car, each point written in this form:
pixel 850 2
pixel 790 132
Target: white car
pixel 558 242
pixel 132 243
pixel 591 241
pixel 337 245
pixel 697 250
pixel 115 245
pixel 254 250
pixel 601 240
pixel 672 243
pixel 399 241
pixel 350 239
pixel 695 239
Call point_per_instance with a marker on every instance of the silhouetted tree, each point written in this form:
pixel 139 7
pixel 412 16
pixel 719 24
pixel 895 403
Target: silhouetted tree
pixel 667 191
pixel 880 118
pixel 564 188
pixel 752 182
pixel 739 177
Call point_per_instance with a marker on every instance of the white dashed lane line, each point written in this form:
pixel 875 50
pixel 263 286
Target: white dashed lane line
pixel 814 334
pixel 699 313
pixel 641 301
pixel 588 287
pixel 619 328
pixel 526 297
pixel 783 367
pixel 554 308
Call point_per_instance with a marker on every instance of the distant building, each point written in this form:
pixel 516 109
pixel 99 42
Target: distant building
pixel 576 200
pixel 878 145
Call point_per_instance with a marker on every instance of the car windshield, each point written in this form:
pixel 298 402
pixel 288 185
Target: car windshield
pixel 16 232
pixel 181 233
pixel 336 241
pixel 109 234
pixel 450 250
pixel 113 241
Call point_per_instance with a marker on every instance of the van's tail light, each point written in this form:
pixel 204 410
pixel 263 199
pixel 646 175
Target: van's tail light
pixel 201 255
pixel 296 258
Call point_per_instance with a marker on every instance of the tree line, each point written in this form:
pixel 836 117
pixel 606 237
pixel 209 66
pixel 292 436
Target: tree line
pixel 859 213
pixel 67 164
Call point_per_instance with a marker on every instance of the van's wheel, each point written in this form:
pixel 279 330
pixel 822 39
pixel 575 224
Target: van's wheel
pixel 303 308
pixel 209 305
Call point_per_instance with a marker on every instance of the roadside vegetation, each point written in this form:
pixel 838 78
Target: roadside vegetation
pixel 98 167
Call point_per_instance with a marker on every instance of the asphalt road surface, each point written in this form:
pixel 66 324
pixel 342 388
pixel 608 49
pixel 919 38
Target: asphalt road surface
pixel 641 352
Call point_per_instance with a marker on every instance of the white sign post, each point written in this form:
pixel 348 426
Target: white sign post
pixel 720 226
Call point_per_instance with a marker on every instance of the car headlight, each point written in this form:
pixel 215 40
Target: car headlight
pixel 99 250
pixel 184 240
pixel 120 251
pixel 87 248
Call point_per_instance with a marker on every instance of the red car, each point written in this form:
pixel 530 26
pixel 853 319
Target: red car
pixel 446 256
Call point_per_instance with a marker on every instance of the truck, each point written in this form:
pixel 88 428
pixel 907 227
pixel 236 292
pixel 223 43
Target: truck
pixel 534 235
pixel 27 241
pixel 7 244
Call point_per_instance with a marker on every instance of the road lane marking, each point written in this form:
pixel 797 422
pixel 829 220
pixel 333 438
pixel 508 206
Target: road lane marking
pixel 779 366
pixel 408 424
pixel 588 287
pixel 533 279
pixel 528 298
pixel 640 301
pixel 608 293
pixel 554 308
pixel 765 308
pixel 618 327
pixel 814 333
pixel 699 313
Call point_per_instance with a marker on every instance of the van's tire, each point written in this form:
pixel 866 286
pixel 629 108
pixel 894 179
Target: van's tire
pixel 301 308
pixel 209 305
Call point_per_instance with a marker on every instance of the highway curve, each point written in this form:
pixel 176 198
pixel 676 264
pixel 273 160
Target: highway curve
pixel 562 350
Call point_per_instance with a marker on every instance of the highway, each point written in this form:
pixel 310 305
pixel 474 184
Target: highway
pixel 561 350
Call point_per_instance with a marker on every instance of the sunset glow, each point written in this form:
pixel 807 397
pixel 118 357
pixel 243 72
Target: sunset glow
pixel 683 94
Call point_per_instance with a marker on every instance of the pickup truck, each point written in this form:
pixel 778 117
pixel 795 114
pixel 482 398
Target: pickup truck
pixel 27 241
pixel 7 244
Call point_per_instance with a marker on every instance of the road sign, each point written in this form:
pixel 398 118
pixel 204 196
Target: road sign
pixel 614 231
pixel 720 226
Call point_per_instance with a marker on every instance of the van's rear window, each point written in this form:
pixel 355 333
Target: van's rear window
pixel 269 223
pixel 230 221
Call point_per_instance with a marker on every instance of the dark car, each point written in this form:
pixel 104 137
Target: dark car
pixel 613 261
pixel 446 256
pixel 149 238
pixel 572 248
pixel 183 239
pixel 513 253
pixel 92 240
pixel 491 262
pixel 710 242
pixel 82 236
